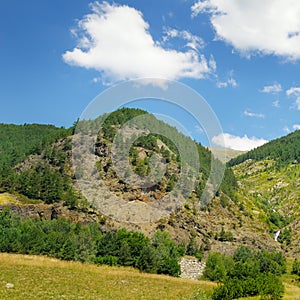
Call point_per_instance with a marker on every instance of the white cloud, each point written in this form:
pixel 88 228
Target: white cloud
pixel 222 84
pixel 243 143
pixel 253 115
pixel 115 41
pixel 276 103
pixel 295 91
pixel 296 126
pixel 212 64
pixel 250 26
pixel 286 129
pixel 193 41
pixel 229 82
pixel 274 89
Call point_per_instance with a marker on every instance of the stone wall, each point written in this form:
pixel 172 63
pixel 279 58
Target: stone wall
pixel 191 268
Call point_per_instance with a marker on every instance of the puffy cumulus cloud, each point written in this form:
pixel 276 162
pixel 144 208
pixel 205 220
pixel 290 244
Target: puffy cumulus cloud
pixel 115 40
pixel 268 26
pixel 296 126
pixel 274 88
pixel 253 115
pixel 295 91
pixel 243 143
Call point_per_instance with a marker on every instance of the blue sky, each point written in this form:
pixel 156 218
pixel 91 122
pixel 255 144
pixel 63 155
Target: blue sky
pixel 243 57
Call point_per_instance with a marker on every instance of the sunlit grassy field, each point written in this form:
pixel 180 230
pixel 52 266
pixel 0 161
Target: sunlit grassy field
pixel 37 277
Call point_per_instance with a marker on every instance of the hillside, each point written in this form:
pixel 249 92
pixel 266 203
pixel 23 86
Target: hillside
pixel 19 141
pixel 144 213
pixel 46 177
pixel 229 153
pixel 268 179
pixel 283 150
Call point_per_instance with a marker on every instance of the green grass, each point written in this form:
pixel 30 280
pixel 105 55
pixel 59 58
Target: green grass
pixel 37 277
pixel 7 198
pixel 264 188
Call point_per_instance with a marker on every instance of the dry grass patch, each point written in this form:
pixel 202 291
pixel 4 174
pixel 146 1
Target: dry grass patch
pixel 36 277
pixel 6 198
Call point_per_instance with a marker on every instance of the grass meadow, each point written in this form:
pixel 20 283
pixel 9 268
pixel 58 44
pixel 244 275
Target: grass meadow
pixel 38 277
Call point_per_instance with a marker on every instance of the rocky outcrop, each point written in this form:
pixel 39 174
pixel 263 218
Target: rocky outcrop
pixel 52 211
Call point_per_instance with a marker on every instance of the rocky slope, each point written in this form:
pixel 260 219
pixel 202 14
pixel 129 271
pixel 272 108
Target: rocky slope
pixel 264 201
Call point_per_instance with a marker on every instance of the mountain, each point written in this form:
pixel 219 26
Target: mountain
pixel 19 141
pixel 283 150
pixel 225 154
pixel 269 187
pixel 38 180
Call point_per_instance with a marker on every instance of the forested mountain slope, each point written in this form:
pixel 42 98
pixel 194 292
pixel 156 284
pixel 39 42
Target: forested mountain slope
pixel 283 150
pixel 42 171
pixel 19 141
pixel 269 187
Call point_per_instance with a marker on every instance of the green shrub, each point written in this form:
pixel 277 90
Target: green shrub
pixel 296 267
pixel 225 236
pixel 247 273
pixel 106 260
pixel 217 267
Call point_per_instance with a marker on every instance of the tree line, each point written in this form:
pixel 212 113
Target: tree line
pixel 63 239
pixel 283 150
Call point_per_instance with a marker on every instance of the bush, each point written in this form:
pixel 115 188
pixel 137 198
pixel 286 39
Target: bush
pixel 217 266
pixel 296 267
pixel 225 236
pixel 148 260
pixel 268 286
pixel 106 260
pixel 167 252
pixel 247 273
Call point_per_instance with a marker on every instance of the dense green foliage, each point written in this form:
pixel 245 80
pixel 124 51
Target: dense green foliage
pixel 44 180
pixel 296 267
pixel 284 150
pixel 19 141
pixel 246 273
pixel 73 241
